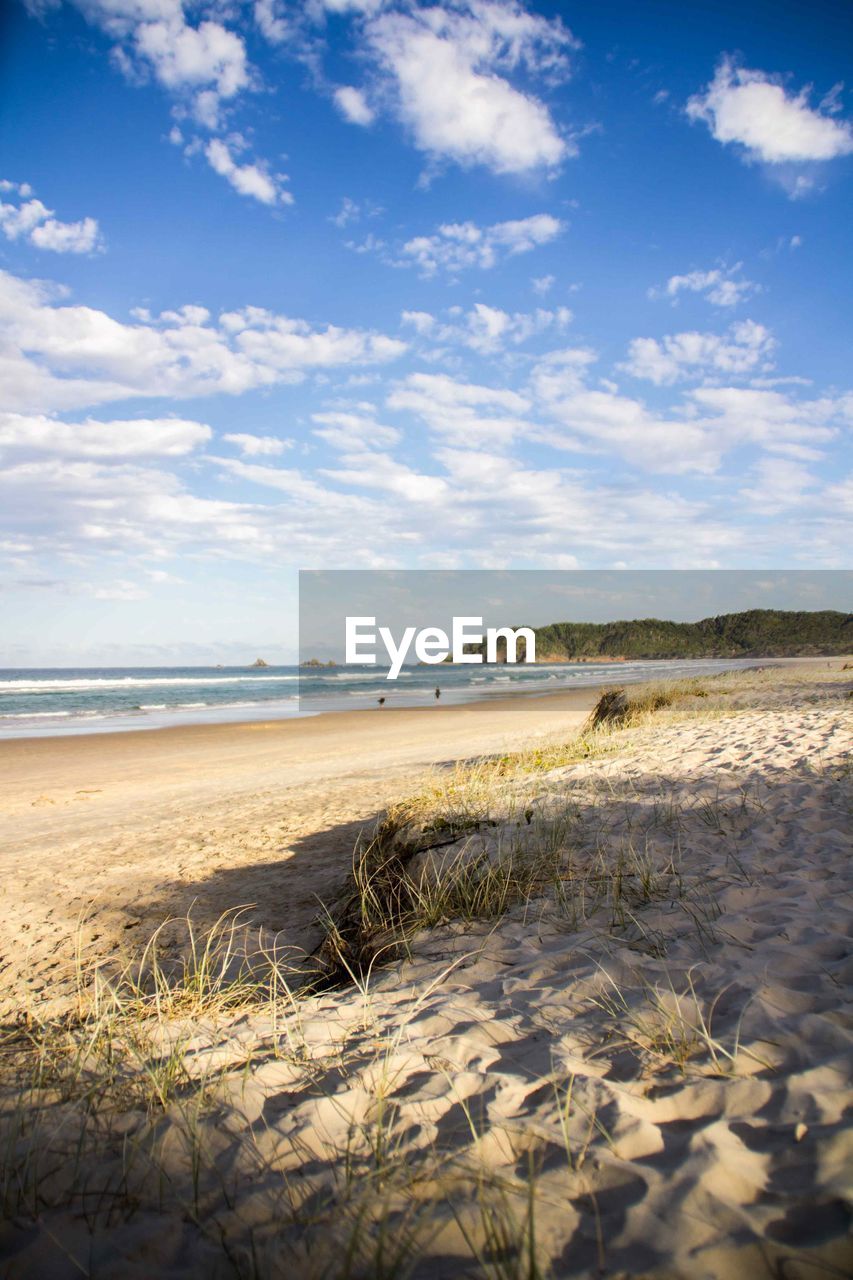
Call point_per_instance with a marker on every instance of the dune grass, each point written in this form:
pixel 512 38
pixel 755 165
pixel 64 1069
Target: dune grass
pixel 476 842
pixel 123 1106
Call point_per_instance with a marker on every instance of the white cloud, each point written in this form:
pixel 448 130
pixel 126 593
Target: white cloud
pixel 469 501
pixel 272 21
pixel 247 179
pixel 33 221
pixel 347 431
pixel 204 68
pixel 459 245
pixel 746 347
pixel 365 465
pixel 448 67
pixel 252 446
pixel 487 329
pixel 462 411
pixel 542 284
pixel 370 244
pixel 66 237
pixel 778 485
pixel 753 110
pixel 773 419
pixel 355 211
pixel 349 6
pixel 201 65
pixel 421 321
pixel 350 211
pixel 719 285
pixel 378 471
pixel 606 422
pixel 353 105
pixel 20 220
pixel 58 356
pixel 690 437
pixel 131 438
pixel 183 56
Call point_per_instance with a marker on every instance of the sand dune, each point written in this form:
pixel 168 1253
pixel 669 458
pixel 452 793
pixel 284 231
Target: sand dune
pixel 102 836
pixel 642 1069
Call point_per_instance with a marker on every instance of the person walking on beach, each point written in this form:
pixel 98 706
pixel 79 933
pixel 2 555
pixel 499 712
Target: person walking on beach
pixel 437 693
pixel 381 701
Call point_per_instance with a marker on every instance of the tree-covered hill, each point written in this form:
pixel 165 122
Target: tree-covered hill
pixel 757 633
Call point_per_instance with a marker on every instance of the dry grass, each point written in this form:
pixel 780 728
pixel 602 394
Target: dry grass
pixel 477 841
pixel 122 1109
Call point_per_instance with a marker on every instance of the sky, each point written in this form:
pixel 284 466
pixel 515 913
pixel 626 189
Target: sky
pixel 377 284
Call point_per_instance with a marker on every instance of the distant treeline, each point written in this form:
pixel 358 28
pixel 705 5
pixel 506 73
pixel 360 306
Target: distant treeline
pixel 756 633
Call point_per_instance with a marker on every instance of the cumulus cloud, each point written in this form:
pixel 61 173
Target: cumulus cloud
pixel 355 211
pixel 30 220
pixel 66 237
pixel 460 410
pixel 252 446
pixel 542 284
pixel 368 498
pixel 353 105
pixel 778 485
pixel 745 347
pixel 272 21
pixel 147 512
pixel 592 420
pixel 487 329
pixel 247 179
pixel 186 57
pixel 365 463
pixel 449 66
pixel 772 418
pixel 456 246
pixel 694 436
pixel 720 286
pixel 204 68
pixel 131 438
pixel 55 356
pixel 346 429
pixel 753 110
pixel 201 66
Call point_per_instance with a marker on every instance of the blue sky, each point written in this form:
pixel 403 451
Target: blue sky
pixel 373 284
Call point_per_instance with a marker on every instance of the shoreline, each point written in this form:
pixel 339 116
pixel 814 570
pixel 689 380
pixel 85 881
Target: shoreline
pixel 214 717
pixel 104 835
pixel 320 722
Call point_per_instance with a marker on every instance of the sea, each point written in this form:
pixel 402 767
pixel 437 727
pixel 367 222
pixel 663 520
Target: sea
pixel 37 702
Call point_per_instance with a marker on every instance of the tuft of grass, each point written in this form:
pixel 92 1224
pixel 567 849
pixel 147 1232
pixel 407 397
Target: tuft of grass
pixel 398 888
pixel 502 850
pixel 674 1027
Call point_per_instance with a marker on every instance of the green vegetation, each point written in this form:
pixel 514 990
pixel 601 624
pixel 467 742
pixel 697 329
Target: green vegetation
pixel 757 633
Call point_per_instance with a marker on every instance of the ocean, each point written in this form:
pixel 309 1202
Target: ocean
pixel 91 699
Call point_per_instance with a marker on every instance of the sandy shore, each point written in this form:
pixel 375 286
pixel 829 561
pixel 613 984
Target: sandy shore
pixel 119 830
pixel 628 1057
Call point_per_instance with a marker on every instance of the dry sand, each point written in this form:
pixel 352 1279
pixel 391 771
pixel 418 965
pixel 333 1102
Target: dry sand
pixel 119 830
pixel 644 1076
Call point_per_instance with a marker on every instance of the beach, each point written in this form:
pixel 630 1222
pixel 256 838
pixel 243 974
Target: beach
pixel 582 1012
pixel 106 834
